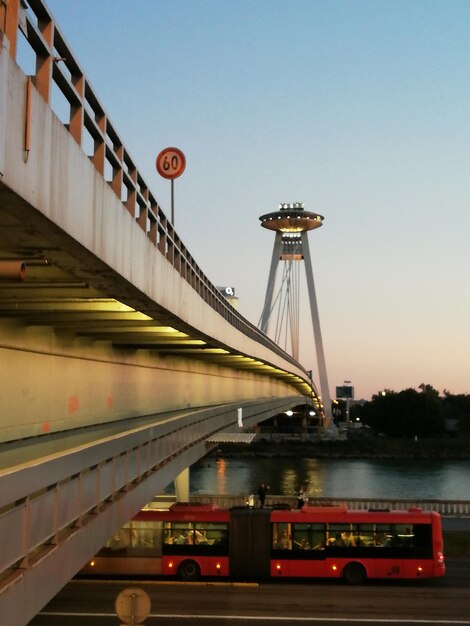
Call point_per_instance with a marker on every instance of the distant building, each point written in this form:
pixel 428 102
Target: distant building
pixel 229 294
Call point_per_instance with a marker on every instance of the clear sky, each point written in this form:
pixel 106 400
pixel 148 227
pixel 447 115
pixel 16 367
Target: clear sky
pixel 360 109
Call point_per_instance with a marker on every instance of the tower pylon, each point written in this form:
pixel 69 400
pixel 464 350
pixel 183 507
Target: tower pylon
pixel 291 224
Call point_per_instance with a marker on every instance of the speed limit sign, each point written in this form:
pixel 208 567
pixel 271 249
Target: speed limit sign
pixel 171 163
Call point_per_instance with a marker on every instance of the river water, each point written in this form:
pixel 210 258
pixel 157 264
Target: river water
pixel 334 478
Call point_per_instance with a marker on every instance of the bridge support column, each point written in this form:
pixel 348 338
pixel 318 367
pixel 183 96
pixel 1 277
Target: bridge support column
pixel 182 486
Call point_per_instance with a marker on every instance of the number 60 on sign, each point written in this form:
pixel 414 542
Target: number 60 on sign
pixel 171 163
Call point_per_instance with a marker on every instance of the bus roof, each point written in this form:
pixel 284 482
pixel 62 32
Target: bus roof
pixel 186 512
pixel 189 507
pixel 343 514
pixel 307 514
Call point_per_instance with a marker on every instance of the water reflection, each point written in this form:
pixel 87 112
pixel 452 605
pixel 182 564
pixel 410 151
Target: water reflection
pixel 315 473
pixel 221 476
pixel 337 478
pixel 289 481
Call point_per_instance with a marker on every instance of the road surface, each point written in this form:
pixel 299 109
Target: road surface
pixel 444 601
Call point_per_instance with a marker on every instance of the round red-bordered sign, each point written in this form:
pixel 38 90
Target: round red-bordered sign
pixel 171 163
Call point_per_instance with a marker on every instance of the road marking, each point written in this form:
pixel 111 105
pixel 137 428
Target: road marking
pixel 260 618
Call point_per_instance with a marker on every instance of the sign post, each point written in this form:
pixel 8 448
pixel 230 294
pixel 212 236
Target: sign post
pixel 132 606
pixel 170 164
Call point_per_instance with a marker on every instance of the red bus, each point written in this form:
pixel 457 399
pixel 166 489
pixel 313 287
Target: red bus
pixel 193 541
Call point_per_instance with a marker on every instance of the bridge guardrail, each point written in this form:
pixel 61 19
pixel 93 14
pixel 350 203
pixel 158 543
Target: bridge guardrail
pixel 444 507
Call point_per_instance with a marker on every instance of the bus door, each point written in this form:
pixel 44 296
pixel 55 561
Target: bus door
pixel 250 543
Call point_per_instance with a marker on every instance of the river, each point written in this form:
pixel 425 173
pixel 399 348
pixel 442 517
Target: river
pixel 334 478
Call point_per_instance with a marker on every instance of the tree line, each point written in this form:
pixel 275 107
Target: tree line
pixel 410 413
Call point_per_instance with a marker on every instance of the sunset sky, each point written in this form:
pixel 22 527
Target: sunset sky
pixel 360 109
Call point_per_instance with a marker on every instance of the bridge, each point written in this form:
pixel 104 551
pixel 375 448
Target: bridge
pixel 120 362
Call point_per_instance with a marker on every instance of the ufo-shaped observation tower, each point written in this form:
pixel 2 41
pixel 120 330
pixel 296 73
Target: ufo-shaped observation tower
pixel 291 224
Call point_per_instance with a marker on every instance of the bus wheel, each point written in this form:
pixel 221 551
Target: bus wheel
pixel 354 574
pixel 189 570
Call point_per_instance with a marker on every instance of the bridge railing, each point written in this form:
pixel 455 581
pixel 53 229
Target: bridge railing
pixel 62 83
pixel 444 507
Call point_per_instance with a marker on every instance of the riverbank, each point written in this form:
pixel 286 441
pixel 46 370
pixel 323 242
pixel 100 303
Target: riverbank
pixel 352 448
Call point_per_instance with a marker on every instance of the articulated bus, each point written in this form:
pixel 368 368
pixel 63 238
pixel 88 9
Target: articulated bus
pixel 193 541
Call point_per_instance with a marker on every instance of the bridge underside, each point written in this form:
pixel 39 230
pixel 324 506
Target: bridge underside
pixel 58 380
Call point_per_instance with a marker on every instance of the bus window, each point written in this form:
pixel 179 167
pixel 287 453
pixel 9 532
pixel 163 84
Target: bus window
pixel 211 533
pixel 367 534
pixel 341 535
pixel 300 536
pixel 317 536
pixel 167 535
pixel 178 533
pixel 281 536
pixel 147 534
pixel 308 536
pixel 201 536
pixel 395 535
pixel 422 541
pixel 405 535
pixel 384 537
pixel 122 538
pixel 135 538
pixel 195 534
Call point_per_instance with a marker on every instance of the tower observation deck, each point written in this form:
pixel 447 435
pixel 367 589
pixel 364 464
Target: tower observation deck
pixel 291 218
